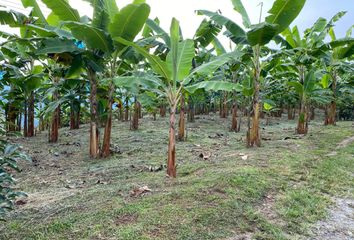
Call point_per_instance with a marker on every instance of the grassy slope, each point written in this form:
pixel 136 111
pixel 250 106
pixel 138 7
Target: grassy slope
pixel 276 193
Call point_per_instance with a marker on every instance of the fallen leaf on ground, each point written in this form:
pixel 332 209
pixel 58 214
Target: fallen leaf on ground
pixel 140 191
pixel 244 157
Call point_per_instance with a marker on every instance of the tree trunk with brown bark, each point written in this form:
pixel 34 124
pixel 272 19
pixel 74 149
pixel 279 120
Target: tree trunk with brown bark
pixel 54 129
pixel 19 122
pixel 31 116
pixel 94 131
pixel 72 118
pixel 253 134
pixel 291 113
pixel 135 123
pixel 234 127
pixel 171 159
pixel 191 111
pixel 162 111
pixel 302 125
pixel 181 123
pixel 330 117
pixel 224 106
pixel 25 120
pixel 126 110
pixel 106 145
pixel 12 117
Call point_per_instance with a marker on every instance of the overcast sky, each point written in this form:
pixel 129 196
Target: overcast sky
pixel 184 11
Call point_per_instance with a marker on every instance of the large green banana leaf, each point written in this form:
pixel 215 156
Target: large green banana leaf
pixel 284 12
pixel 238 6
pixel 63 10
pixel 214 64
pixel 238 34
pixel 154 26
pixel 57 45
pixel 299 88
pixel 206 32
pixel 129 21
pixel 144 81
pixel 159 66
pixel 214 86
pixel 261 34
pixel 93 37
pixel 36 9
pixel 219 48
pixel 12 18
pixel 181 65
pixel 179 59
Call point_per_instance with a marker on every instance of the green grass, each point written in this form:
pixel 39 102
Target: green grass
pixel 277 193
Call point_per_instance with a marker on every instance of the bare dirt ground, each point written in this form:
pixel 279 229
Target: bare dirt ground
pixel 340 223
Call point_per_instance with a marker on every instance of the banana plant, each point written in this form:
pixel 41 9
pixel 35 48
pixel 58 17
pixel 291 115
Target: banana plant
pixel 102 56
pixel 203 37
pixel 24 76
pixel 309 89
pixel 10 154
pixel 281 15
pixel 175 74
pixel 334 62
pixel 307 50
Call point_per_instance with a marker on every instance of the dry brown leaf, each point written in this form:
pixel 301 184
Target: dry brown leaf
pixel 139 191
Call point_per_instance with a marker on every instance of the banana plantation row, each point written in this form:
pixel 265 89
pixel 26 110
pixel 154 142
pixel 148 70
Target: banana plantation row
pixel 66 69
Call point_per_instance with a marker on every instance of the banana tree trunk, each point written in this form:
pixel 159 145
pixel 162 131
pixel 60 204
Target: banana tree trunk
pixel 171 159
pixel 19 121
pixel 94 131
pixel 181 123
pixel 331 111
pixel 11 117
pixel 106 145
pixel 224 106
pixel 31 116
pixel 234 118
pixel 162 111
pixel 135 123
pixel 54 130
pixel 121 112
pixel 253 136
pixel 291 113
pixel 54 133
pixel 126 110
pixel 25 120
pixel 77 121
pixel 302 125
pixel 331 114
pixel 191 111
pixel 72 117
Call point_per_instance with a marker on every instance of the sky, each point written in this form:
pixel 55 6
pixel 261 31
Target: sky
pixel 184 11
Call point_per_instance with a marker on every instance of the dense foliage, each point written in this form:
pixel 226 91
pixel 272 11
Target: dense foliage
pixel 10 154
